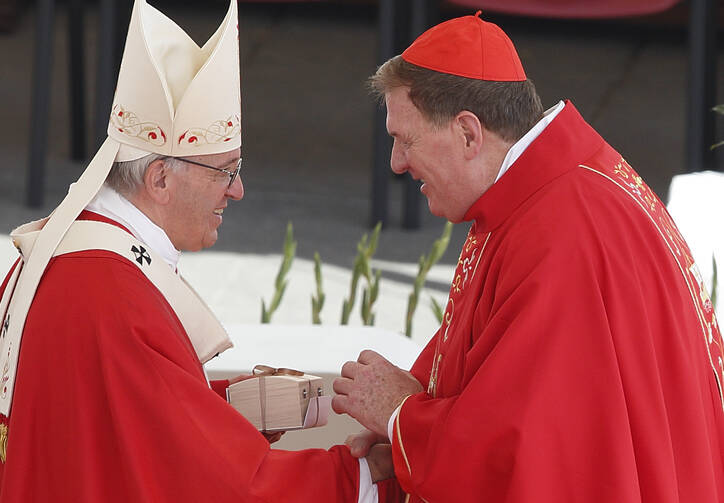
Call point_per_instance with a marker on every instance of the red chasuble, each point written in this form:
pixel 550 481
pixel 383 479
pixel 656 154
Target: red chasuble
pixel 579 358
pixel 111 405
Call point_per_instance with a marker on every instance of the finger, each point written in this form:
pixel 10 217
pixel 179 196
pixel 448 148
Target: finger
pixel 350 369
pixel 340 403
pixel 358 439
pixel 368 356
pixel 362 433
pixel 342 385
pixel 352 442
pixel 359 447
pixel 273 437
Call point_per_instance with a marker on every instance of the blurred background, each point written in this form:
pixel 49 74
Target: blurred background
pixel 308 122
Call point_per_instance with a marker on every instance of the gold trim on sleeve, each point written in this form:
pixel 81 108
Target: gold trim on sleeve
pixel 3 442
pixel 399 436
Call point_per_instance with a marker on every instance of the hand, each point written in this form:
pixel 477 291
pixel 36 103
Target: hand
pixel 360 443
pixel 380 462
pixel 273 436
pixel 370 390
pixel 239 378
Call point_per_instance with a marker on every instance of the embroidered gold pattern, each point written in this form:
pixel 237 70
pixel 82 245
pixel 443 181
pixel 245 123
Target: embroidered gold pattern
pixel 635 184
pixel 470 255
pixel 467 266
pixel 432 385
pixel 128 123
pixel 624 177
pixel 3 442
pixel 470 242
pixel 618 169
pixel 447 318
pixel 5 375
pixel 399 436
pixel 218 132
pixel 456 284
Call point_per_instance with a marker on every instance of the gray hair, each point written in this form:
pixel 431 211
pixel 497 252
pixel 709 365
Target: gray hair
pixel 509 109
pixel 127 177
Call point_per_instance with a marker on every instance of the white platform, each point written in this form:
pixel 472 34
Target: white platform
pixel 321 349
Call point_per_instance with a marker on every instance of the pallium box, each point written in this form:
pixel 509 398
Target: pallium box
pixel 281 402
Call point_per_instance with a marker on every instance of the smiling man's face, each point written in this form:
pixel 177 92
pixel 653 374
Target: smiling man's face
pixel 428 153
pixel 198 200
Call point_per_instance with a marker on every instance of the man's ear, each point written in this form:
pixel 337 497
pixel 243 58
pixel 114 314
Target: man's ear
pixel 156 181
pixel 472 133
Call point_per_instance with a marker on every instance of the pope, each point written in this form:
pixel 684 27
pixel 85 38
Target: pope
pixel 103 396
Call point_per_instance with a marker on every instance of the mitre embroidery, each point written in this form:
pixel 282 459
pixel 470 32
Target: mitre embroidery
pixel 129 124
pixel 218 132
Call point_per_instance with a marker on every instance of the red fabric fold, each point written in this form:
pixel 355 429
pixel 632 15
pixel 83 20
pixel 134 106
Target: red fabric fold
pixel 579 359
pixel 111 404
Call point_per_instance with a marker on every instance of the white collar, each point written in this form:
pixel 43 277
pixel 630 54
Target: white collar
pixel 519 147
pixel 113 205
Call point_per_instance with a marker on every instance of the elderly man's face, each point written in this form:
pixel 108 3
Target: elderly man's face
pixel 432 155
pixel 198 199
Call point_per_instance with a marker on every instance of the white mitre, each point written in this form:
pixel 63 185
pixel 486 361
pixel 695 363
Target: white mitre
pixel 172 98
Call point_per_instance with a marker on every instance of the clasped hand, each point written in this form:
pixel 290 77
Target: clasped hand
pixel 370 390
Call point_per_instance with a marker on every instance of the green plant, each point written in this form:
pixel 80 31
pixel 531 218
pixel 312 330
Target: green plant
pixel 436 309
pixel 720 110
pixel 280 284
pixel 714 281
pixel 424 265
pixel 369 296
pixel 365 251
pixel 318 300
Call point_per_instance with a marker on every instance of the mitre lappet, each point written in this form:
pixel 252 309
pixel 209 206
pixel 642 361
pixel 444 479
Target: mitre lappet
pixel 172 98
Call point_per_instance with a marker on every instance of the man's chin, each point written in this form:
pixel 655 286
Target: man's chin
pixel 444 213
pixel 438 212
pixel 209 240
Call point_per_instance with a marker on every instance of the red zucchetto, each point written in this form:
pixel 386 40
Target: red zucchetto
pixel 469 47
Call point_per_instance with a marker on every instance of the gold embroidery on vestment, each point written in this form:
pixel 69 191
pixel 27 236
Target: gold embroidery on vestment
pixel 447 318
pixel 6 373
pixel 432 385
pixel 3 442
pixel 399 436
pixel 456 284
pixel 668 232
pixel 470 242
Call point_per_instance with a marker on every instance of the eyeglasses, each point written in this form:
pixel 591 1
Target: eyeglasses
pixel 232 174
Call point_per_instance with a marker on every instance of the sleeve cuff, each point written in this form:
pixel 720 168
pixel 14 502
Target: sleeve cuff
pixel 391 422
pixel 367 490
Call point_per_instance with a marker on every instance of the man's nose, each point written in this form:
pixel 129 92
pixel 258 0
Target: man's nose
pixel 398 162
pixel 236 190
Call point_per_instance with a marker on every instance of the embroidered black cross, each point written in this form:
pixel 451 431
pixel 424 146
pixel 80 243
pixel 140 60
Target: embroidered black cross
pixel 6 326
pixel 141 254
